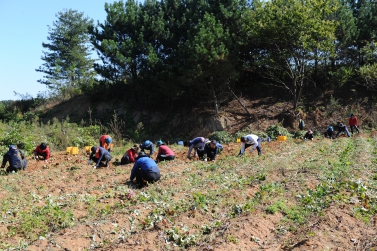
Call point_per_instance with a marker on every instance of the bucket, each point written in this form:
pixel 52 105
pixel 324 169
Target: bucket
pixel 238 140
pixel 88 149
pixel 68 149
pixel 74 150
pixel 106 146
pixel 282 138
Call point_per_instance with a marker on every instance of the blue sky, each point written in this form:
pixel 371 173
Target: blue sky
pixel 23 29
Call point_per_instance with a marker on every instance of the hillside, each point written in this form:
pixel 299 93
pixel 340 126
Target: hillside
pixel 318 195
pixel 187 122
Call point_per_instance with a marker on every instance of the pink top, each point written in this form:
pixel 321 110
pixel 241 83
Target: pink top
pixel 165 150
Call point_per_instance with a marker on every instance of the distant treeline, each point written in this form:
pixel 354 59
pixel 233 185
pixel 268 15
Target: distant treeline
pixel 204 52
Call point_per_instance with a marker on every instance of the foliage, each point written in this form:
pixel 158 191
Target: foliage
pixel 176 49
pixel 67 63
pixel 275 130
pixel 286 37
pixel 299 134
pixel 221 137
pixel 41 220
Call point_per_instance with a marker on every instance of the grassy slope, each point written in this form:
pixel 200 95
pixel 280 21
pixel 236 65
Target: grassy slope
pixel 316 195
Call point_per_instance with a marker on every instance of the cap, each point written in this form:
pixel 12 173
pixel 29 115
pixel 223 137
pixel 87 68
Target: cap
pixel 214 141
pixel 147 143
pixel 12 147
pixel 159 143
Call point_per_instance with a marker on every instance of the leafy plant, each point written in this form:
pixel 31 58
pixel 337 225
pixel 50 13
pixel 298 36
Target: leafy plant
pixel 222 137
pixel 275 130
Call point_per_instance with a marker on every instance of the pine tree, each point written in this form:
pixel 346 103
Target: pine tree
pixel 68 65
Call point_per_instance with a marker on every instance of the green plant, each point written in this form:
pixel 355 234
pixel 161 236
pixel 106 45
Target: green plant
pixel 275 130
pixel 222 137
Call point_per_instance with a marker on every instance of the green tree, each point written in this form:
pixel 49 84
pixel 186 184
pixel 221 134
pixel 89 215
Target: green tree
pixel 287 36
pixel 171 48
pixel 68 66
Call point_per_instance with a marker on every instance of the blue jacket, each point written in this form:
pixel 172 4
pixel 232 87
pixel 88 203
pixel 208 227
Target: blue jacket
pixel 146 164
pixel 101 153
pixel 14 157
pixel 150 148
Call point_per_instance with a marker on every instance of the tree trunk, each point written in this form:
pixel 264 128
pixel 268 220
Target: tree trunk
pixel 294 93
pixel 214 97
pixel 239 101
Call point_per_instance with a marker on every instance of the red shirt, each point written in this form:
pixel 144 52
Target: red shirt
pixel 39 151
pixel 103 143
pixel 353 121
pixel 165 150
pixel 132 154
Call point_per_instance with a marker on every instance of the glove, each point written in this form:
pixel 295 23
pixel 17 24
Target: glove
pixel 36 157
pixel 89 162
pixel 95 166
pixel 240 155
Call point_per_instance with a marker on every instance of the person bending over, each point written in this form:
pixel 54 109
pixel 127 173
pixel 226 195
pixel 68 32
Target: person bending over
pixel 144 169
pixel 16 159
pixel 98 155
pixel 197 144
pixel 164 152
pixel 250 140
pixel 130 155
pixel 42 151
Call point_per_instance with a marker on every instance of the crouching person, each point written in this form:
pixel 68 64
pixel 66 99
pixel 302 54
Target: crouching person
pixel 16 159
pixel 342 129
pixel 211 150
pixel 309 135
pixel 145 169
pixel 130 155
pixel 98 155
pixel 329 132
pixel 164 152
pixel 42 152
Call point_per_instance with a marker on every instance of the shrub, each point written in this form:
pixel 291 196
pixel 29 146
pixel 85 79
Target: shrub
pixel 275 130
pixel 221 136
pixel 299 134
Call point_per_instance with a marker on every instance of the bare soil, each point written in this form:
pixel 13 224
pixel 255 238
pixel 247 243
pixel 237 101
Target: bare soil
pixel 69 175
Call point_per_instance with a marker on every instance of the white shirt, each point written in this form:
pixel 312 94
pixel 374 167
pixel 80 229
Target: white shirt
pixel 251 139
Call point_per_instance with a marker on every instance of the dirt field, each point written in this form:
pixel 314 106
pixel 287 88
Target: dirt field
pixel 318 195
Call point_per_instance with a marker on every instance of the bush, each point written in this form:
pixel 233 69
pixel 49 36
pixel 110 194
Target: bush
pixel 299 134
pixel 275 130
pixel 221 136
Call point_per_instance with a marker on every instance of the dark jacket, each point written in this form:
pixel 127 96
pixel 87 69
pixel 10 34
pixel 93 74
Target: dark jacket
pixel 211 152
pixel 150 148
pixel 14 157
pixel 99 154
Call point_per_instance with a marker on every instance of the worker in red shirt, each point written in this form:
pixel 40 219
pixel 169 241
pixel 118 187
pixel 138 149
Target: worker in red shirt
pixel 105 142
pixel 164 152
pixel 42 151
pixel 130 156
pixel 354 123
